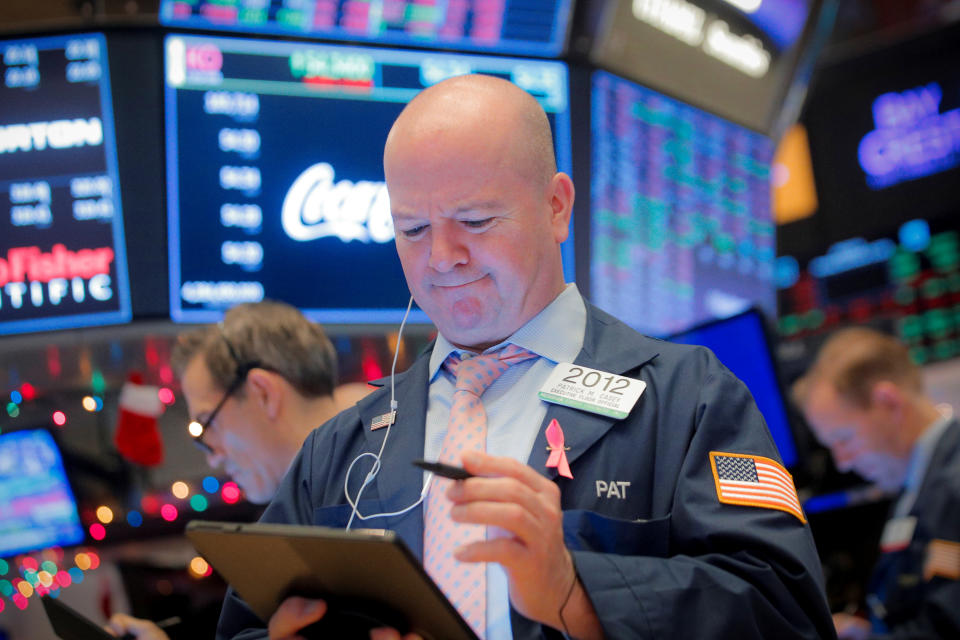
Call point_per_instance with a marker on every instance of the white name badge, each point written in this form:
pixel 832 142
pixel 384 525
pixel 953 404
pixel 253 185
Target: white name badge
pixel 897 534
pixel 592 390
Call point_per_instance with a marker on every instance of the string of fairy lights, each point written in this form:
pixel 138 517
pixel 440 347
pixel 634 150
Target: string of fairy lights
pixel 47 572
pixel 28 576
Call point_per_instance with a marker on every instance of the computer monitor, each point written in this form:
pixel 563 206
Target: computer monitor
pixel 522 27
pixel 744 60
pixel 681 231
pixel 275 176
pixel 39 509
pixel 743 344
pixel 886 148
pixel 62 255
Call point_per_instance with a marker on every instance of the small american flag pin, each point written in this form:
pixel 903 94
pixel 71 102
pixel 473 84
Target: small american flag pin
pixel 384 420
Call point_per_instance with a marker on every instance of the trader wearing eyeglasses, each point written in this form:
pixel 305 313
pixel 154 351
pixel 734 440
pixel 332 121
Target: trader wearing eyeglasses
pixel 256 385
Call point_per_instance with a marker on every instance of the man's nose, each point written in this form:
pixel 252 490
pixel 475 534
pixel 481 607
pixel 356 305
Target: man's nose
pixel 446 249
pixel 843 457
pixel 214 457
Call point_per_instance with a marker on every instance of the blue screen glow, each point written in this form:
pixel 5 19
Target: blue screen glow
pixel 39 509
pixel 913 138
pixel 62 255
pixel 276 186
pixel 781 20
pixel 681 230
pixel 741 345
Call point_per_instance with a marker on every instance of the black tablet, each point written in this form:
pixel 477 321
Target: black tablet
pixel 368 579
pixel 70 624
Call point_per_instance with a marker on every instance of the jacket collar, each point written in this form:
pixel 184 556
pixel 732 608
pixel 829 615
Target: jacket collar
pixel 608 345
pixel 947 449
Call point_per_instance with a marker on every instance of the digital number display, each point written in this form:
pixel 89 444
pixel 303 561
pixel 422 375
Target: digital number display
pixel 907 283
pixel 276 186
pixel 527 27
pixel 681 229
pixel 62 261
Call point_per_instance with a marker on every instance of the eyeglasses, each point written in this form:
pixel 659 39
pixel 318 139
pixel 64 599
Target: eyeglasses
pixel 199 429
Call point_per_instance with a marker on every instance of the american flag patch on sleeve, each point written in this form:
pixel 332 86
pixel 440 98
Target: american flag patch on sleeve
pixel 943 559
pixel 754 481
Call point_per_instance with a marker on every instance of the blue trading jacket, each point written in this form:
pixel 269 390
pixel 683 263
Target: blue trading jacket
pixel 919 604
pixel 659 556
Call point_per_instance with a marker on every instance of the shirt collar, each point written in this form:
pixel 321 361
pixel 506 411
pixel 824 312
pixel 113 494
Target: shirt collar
pixel 556 333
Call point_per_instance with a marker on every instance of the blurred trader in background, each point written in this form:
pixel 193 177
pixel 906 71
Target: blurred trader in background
pixel 864 400
pixel 637 537
pixel 256 384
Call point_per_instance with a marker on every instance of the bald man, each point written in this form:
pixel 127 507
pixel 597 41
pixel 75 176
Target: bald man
pixel 597 525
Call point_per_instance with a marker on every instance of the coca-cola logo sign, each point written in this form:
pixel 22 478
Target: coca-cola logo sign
pixel 318 207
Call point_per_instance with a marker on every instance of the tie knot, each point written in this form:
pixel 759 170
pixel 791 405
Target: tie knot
pixel 475 374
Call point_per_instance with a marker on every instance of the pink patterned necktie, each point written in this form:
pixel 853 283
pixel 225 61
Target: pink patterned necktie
pixel 464 584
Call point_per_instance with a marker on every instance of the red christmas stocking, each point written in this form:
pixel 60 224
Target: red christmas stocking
pixel 137 437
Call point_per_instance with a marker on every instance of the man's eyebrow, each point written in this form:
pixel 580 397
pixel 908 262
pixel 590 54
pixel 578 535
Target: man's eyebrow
pixel 480 205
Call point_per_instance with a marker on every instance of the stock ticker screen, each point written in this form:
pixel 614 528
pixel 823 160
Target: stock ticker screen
pixel 906 282
pixel 39 509
pixel 524 27
pixel 62 261
pixel 681 230
pixel 275 176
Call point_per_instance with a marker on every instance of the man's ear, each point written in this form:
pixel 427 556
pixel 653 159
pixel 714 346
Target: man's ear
pixel 887 396
pixel 561 195
pixel 265 388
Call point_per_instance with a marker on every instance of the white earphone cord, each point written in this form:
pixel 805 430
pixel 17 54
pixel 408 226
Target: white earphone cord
pixel 375 469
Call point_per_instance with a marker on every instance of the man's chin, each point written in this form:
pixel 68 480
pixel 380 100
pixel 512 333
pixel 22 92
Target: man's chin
pixel 464 323
pixel 475 337
pixel 251 492
pixel 257 497
pixel 891 482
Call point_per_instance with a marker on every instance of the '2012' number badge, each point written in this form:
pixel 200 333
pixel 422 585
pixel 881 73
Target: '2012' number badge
pixel 592 390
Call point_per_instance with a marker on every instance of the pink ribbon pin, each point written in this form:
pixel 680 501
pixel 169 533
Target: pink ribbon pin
pixel 558 453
